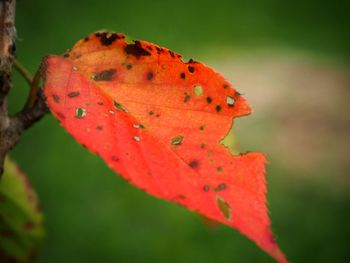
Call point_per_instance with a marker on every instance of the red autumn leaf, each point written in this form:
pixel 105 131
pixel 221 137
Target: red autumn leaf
pixel 158 122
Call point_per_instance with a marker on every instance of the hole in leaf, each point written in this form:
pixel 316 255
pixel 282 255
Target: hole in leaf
pixel 230 101
pixel 198 90
pixel 224 207
pixel 118 106
pixel 80 113
pixel 177 140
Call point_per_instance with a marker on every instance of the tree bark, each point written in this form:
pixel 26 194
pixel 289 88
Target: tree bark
pixel 11 128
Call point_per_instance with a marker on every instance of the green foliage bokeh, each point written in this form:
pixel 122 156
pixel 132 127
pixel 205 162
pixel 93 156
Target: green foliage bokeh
pixel 92 215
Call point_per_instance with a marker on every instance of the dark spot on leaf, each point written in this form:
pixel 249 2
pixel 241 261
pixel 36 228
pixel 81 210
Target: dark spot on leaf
pixel 237 94
pixel 224 207
pixel 86 39
pixel 129 66
pixel 183 75
pixel 73 94
pixel 220 187
pixel 115 158
pixel 218 108
pixel 187 97
pixel 158 115
pixel 209 99
pixel 172 54
pixel 100 103
pixel 149 75
pixel 202 127
pixel 66 55
pixel 191 69
pixel 56 98
pixel 202 145
pixel 225 86
pixel 191 61
pixel 206 188
pixel 151 113
pixel 107 38
pixel 159 50
pixel 177 140
pixel 150 48
pixel 136 50
pixel 219 169
pixel 106 75
pixel 193 164
pixel 99 127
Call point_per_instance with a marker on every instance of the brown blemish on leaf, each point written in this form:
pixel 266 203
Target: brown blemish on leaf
pixel 191 61
pixel 136 50
pixel 218 108
pixel 202 145
pixel 149 76
pixel 128 66
pixel 220 187
pixel 106 75
pixel 219 169
pixel 209 99
pixel 224 207
pixel 107 38
pixel 191 69
pixel 183 75
pixel 73 94
pixel 99 127
pixel 194 164
pixel 202 127
pixel 187 97
pixel 225 86
pixel 206 188
pixel 56 98
pixel 100 103
pixel 151 113
pixel 172 54
pixel 115 158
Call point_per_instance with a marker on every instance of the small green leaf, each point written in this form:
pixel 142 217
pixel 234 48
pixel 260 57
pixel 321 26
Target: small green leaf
pixel 21 221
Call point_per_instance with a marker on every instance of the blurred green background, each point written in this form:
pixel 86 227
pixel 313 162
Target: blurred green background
pixel 291 61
